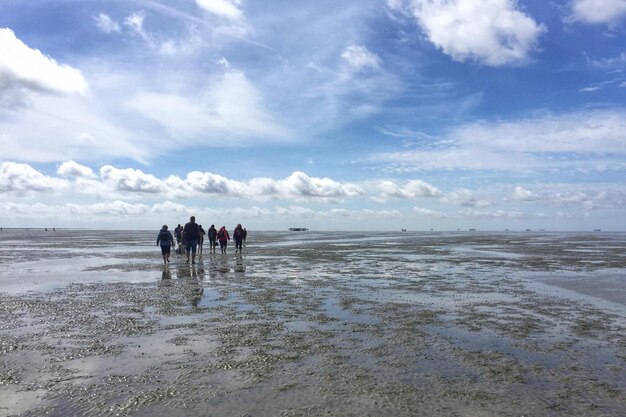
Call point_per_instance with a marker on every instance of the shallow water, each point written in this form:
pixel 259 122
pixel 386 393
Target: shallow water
pixel 432 324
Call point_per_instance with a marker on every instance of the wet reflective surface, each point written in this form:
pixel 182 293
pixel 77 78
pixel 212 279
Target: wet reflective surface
pixel 471 324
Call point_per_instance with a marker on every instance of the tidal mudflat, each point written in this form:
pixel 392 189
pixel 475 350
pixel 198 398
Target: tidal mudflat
pixel 309 324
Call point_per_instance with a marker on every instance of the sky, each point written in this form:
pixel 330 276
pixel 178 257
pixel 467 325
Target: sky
pixel 332 115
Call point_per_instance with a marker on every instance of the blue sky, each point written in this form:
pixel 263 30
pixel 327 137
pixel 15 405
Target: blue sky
pixel 368 115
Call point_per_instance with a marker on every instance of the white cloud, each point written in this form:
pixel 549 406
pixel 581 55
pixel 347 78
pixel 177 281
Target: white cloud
pixel 116 188
pixel 295 211
pixel 428 212
pixel 115 208
pixel 225 8
pixel 590 196
pixel 360 58
pixel 206 182
pixel 73 169
pixel 106 24
pixel 409 190
pixel 135 23
pixel 131 180
pixel 492 32
pixel 182 46
pixel 495 214
pixel 299 184
pixel 300 212
pixel 128 181
pixel 616 63
pixel 522 194
pixel 586 139
pixel 17 209
pixel 24 70
pixel 68 128
pixel 231 105
pixel 22 179
pixel 170 208
pixel 596 131
pixel 598 11
pixel 180 116
pixel 569 198
pixel 464 197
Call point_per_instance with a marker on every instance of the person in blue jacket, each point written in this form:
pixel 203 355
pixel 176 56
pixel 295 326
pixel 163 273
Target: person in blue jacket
pixel 191 236
pixel 166 240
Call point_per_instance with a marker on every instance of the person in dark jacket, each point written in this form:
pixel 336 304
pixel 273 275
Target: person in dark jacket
pixel 201 239
pixel 191 236
pixel 165 240
pixel 179 239
pixel 212 235
pixel 238 235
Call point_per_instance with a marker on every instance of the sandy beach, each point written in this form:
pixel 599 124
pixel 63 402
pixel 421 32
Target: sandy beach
pixel 308 324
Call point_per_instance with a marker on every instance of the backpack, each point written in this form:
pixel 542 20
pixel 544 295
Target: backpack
pixel 164 236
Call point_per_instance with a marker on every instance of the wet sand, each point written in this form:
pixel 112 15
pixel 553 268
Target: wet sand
pixel 309 324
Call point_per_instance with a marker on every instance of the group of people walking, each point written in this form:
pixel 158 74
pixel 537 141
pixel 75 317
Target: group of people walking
pixel 191 238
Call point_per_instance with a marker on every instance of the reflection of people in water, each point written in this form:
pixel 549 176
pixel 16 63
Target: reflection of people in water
pixel 223 265
pixel 189 282
pixel 239 266
pixel 195 289
pixel 166 276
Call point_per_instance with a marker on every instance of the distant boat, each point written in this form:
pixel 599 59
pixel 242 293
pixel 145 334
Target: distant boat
pixel 298 229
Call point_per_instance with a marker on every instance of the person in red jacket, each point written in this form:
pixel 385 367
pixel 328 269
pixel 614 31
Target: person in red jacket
pixel 223 237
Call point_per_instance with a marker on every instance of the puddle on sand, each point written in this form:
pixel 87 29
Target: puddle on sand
pixel 417 324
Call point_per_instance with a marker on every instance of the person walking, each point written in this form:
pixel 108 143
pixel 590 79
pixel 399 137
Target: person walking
pixel 191 236
pixel 223 237
pixel 165 240
pixel 179 239
pixel 238 235
pixel 212 235
pixel 201 239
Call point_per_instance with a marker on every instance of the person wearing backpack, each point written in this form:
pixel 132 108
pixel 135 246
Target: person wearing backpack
pixel 238 235
pixel 223 237
pixel 212 235
pixel 165 240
